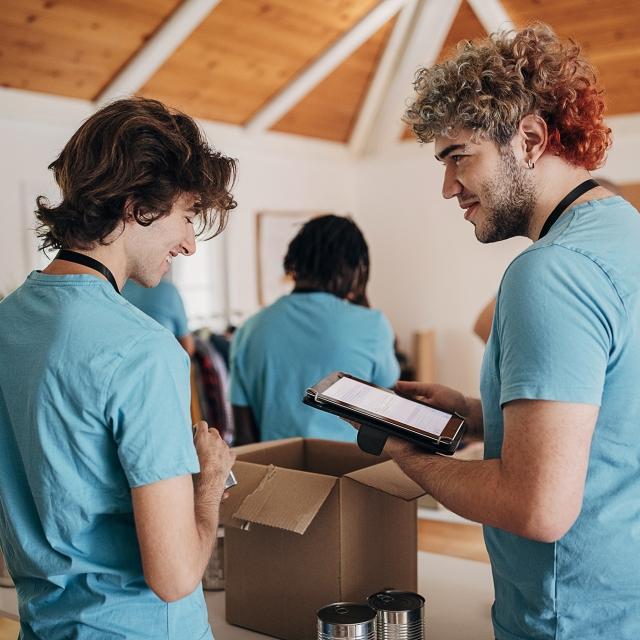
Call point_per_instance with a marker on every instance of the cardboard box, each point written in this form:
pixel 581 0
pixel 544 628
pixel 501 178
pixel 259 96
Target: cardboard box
pixel 309 523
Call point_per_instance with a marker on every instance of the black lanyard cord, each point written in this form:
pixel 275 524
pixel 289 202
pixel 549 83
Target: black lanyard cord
pixel 86 261
pixel 574 194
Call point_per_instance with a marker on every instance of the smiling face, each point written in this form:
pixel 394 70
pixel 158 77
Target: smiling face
pixel 151 249
pixel 496 192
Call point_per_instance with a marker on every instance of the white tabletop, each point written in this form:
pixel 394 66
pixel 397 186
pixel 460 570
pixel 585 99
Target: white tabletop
pixel 459 594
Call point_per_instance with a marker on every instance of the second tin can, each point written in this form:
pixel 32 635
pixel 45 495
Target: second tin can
pixel 400 615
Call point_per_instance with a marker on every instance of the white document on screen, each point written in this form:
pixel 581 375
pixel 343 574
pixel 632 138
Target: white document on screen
pixel 388 405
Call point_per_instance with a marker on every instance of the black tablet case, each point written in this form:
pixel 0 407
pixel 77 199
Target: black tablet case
pixel 373 433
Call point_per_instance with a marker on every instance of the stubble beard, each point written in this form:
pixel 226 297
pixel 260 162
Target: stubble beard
pixel 511 197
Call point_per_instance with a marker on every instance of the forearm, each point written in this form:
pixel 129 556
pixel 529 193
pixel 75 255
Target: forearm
pixel 477 490
pixel 207 497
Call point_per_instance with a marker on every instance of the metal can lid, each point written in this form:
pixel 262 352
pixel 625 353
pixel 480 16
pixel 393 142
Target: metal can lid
pixel 392 600
pixel 346 613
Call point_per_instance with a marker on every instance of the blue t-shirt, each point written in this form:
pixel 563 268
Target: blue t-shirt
pixel 567 328
pixel 298 340
pixel 94 400
pixel 162 302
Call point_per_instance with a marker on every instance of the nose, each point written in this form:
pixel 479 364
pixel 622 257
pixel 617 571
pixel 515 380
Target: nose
pixel 451 187
pixel 188 245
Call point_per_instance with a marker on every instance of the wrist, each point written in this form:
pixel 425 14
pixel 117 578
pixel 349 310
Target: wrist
pixel 208 486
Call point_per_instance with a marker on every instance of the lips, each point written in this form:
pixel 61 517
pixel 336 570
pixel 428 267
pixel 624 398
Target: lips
pixel 470 209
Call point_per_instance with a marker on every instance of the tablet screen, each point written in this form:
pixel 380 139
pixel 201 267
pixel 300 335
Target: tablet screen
pixel 388 405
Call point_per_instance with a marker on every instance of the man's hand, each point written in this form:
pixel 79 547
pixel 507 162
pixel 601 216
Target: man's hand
pixel 449 400
pixel 216 461
pixel 400 449
pixel 437 395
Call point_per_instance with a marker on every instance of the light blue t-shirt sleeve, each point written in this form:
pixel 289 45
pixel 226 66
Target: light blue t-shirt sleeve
pixel 237 392
pixel 147 408
pixel 556 336
pixel 386 369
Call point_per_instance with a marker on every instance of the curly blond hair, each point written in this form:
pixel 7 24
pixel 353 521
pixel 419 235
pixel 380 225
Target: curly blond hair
pixel 490 85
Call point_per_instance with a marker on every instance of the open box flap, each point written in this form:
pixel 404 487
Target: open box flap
pixel 249 477
pixel 389 478
pixel 286 499
pixel 248 451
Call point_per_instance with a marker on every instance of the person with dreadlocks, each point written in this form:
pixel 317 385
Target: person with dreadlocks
pixel 517 122
pixel 324 325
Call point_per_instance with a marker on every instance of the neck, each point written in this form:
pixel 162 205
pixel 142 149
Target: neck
pixel 108 255
pixel 555 178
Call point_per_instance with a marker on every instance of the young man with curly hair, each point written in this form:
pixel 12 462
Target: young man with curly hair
pixel 517 123
pixel 108 503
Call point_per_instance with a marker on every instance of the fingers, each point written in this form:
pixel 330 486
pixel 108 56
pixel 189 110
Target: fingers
pixel 202 427
pixel 413 388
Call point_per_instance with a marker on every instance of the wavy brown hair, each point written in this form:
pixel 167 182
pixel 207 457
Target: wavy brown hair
pixel 491 84
pixel 135 157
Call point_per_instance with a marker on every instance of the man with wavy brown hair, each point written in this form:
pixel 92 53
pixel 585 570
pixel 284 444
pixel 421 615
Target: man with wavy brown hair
pixel 517 124
pixel 108 502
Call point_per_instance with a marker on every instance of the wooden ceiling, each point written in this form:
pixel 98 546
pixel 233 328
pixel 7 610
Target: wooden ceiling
pixel 73 48
pixel 609 33
pixel 465 26
pixel 333 105
pixel 247 51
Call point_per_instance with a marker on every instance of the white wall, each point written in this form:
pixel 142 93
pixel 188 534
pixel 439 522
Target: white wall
pixel 428 270
pixel 277 173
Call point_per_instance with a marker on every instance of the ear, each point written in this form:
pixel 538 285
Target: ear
pixel 532 138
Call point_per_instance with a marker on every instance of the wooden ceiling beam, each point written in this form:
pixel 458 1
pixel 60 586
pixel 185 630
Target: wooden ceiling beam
pixel 150 57
pixel 382 79
pixel 337 53
pixel 492 15
pixel 429 34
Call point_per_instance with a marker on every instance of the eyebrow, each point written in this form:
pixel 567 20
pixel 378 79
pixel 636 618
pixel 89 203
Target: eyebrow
pixel 447 150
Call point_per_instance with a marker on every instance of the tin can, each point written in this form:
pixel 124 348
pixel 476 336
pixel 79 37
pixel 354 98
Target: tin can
pixel 346 620
pixel 400 615
pixel 213 578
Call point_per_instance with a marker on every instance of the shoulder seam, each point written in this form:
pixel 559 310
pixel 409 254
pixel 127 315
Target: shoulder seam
pixel 577 252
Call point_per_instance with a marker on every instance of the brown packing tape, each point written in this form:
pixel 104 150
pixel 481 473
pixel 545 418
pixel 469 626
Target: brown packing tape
pixel 286 499
pixel 388 477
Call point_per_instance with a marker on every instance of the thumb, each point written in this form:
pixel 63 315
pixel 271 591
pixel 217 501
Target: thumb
pixel 414 388
pixel 200 427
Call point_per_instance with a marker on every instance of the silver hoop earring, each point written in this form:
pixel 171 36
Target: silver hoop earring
pixel 530 164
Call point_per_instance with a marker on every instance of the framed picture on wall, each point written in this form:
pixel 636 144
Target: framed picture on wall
pixel 274 232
